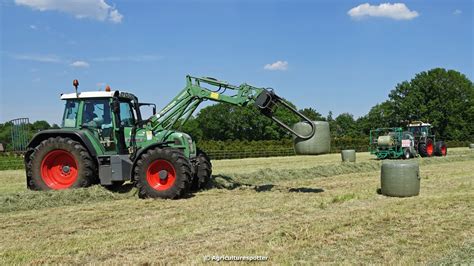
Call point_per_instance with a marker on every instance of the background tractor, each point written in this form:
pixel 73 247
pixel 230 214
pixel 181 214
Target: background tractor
pixel 393 143
pixel 103 139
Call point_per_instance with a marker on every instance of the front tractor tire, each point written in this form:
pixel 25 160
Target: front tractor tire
pixel 60 163
pixel 441 149
pixel 162 173
pixel 202 171
pixel 426 149
pixel 406 154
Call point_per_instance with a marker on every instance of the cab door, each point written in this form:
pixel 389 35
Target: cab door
pixel 127 121
pixel 96 117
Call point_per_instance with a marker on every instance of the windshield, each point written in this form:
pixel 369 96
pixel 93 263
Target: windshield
pixel 419 130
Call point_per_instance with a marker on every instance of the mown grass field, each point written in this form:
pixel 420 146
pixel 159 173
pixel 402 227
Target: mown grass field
pixel 292 209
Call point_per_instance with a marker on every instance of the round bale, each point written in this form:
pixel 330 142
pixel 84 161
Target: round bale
pixel 471 146
pixel 320 143
pixel 385 141
pixel 400 178
pixel 348 156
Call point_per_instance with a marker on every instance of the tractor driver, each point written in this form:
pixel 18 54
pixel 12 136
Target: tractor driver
pixel 89 115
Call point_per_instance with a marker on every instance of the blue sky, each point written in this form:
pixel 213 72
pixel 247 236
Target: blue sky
pixel 343 56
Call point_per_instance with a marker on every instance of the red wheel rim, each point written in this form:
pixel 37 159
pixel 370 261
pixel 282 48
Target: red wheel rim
pixel 429 148
pixel 153 175
pixel 59 169
pixel 443 150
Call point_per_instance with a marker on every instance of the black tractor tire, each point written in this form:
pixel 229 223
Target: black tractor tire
pixel 202 171
pixel 426 149
pixel 60 163
pixel 172 164
pixel 441 149
pixel 406 154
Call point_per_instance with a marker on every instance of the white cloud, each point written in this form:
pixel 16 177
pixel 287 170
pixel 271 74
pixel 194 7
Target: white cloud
pixel 133 58
pixel 33 27
pixel 397 11
pixel 94 9
pixel 278 65
pixel 37 58
pixel 115 16
pixel 457 12
pixel 80 64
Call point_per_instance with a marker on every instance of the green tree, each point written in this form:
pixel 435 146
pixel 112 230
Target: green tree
pixel 39 125
pixel 192 128
pixel 381 115
pixel 227 122
pixel 345 125
pixel 5 135
pixel 312 114
pixel 444 98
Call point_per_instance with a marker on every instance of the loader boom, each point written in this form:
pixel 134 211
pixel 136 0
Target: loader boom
pixel 186 102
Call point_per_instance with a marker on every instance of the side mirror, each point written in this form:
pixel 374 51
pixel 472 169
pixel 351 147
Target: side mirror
pixel 149 104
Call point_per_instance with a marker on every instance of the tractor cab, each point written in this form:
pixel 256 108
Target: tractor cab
pixel 108 115
pixel 420 129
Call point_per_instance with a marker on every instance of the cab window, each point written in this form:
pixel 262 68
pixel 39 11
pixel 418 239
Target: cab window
pixel 96 114
pixel 70 113
pixel 126 114
pixel 415 130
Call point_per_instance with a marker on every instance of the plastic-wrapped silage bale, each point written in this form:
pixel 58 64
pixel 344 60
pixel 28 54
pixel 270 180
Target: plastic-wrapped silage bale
pixel 320 143
pixel 348 156
pixel 400 178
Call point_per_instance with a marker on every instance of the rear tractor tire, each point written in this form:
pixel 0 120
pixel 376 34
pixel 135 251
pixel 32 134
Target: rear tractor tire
pixel 60 163
pixel 202 171
pixel 441 149
pixel 162 173
pixel 426 149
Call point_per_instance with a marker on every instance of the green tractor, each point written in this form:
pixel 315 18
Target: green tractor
pixel 394 143
pixel 104 139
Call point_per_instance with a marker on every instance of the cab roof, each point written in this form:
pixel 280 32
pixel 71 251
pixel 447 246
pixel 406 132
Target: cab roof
pixel 95 94
pixel 418 123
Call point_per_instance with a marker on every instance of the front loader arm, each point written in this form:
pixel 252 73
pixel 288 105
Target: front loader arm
pixel 183 105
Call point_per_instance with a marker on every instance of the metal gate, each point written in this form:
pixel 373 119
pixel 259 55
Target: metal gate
pixel 20 134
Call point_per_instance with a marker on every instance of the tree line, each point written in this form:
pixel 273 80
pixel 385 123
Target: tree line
pixel 444 98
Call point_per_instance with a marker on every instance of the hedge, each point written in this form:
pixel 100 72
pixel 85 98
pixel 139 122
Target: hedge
pixel 9 162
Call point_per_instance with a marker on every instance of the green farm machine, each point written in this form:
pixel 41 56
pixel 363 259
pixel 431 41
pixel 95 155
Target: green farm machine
pixel 394 143
pixel 104 139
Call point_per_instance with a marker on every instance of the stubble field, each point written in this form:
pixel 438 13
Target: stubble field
pixel 299 209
